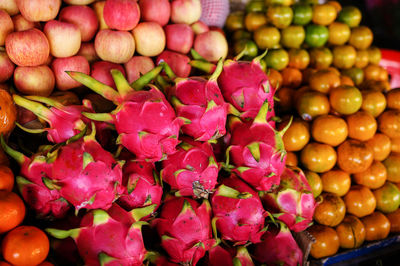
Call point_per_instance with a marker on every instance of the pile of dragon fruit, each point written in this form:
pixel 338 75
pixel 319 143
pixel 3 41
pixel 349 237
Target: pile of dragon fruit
pixel 198 161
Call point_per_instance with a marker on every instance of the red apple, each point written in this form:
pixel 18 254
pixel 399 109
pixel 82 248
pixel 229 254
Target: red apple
pixel 114 46
pixel 121 14
pixel 179 37
pixel 199 27
pixel 21 23
pixel 185 11
pixel 37 80
pixel 98 8
pixel 179 63
pixel 6 67
pixel 28 47
pixel 82 16
pixel 64 38
pixel 79 2
pixel 149 38
pixel 87 50
pixel 73 63
pixel 137 66
pixel 6 26
pixel 39 10
pixel 10 6
pixel 155 11
pixel 101 71
pixel 211 45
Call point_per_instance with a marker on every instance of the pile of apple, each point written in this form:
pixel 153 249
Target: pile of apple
pixel 41 39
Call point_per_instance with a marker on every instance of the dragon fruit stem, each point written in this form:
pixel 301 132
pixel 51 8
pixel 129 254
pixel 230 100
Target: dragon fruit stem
pixel 30 130
pixel 162 83
pixel 242 53
pixel 16 155
pixel 104 258
pixel 121 83
pixel 168 70
pixel 104 90
pixel 139 213
pixel 141 82
pixel 196 55
pixel 203 66
pixel 37 108
pixel 257 59
pixel 232 193
pixel 62 234
pixel 217 71
pixel 261 117
pixel 103 117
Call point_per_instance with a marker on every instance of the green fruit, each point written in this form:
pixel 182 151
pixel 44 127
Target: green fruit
pixel 267 37
pixel 302 14
pixel 277 59
pixel 255 6
pixel 280 16
pixel 316 35
pixel 350 15
pixel 250 46
pixel 292 36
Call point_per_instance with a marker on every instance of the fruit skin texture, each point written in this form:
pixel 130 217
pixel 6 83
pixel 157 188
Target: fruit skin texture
pixel 179 63
pixel 330 211
pixel 351 232
pixel 121 14
pixel 185 229
pixel 192 170
pixel 278 248
pixel 327 241
pixel 360 201
pixel 13 210
pixel 238 212
pixel 377 226
pixel 292 202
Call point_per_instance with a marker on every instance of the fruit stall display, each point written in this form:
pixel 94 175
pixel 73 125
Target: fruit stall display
pixel 140 132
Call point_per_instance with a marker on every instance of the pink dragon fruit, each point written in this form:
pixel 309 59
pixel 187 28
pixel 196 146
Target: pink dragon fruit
pixel 110 237
pixel 153 133
pixel 232 257
pixel 200 101
pixel 45 202
pixel 278 247
pixel 257 151
pixel 185 229
pixel 192 170
pixel 292 202
pixel 141 185
pixel 238 213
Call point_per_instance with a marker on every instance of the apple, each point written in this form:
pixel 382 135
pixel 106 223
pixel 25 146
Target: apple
pixel 185 11
pixel 211 45
pixel 82 16
pixel 10 6
pixel 155 11
pixel 149 38
pixel 121 14
pixel 6 26
pixel 79 2
pixel 21 23
pixel 101 71
pixel 179 37
pixel 74 63
pixel 199 27
pixel 39 10
pixel 64 38
pixel 114 46
pixel 87 50
pixel 98 8
pixel 28 47
pixel 36 80
pixel 179 63
pixel 137 66
pixel 6 67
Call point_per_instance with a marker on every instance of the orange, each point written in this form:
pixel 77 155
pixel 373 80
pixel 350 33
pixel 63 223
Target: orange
pixel 374 72
pixel 311 104
pixel 329 129
pixel 354 156
pixel 235 21
pixel 345 100
pixel 307 74
pixel 374 102
pixel 321 57
pixel 291 159
pixel 344 56
pixel 361 37
pixel 314 180
pixel 324 80
pixel 296 136
pixel 377 226
pixel 361 125
pixel 389 123
pixel 394 219
pixel 12 210
pixel 360 201
pixel 330 211
pixel 254 20
pixel 387 198
pixel 8 113
pixel 6 178
pixel 298 58
pixel 381 146
pixel 362 59
pixel 324 14
pixel 267 37
pixel 326 241
pixel 336 181
pixel 374 177
pixel 392 164
pixel 275 78
pixel 356 74
pixel 292 36
pixel 351 232
pixel 336 4
pixel 285 99
pixel 345 80
pixel 395 145
pixel 374 55
pixel 291 77
pixel 339 33
pixel 393 99
pixel 3 158
pixel 25 245
pixel 3 263
pixel 318 157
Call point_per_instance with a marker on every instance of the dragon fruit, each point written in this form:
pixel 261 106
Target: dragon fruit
pixel 257 151
pixel 45 202
pixel 238 213
pixel 292 202
pixel 110 237
pixel 153 133
pixel 185 229
pixel 192 170
pixel 141 185
pixel 219 256
pixel 278 248
pixel 200 101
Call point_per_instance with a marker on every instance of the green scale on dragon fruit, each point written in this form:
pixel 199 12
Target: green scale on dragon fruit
pixel 192 170
pixel 238 212
pixel 229 256
pixel 144 119
pixel 185 229
pixel 111 237
pixel 292 202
